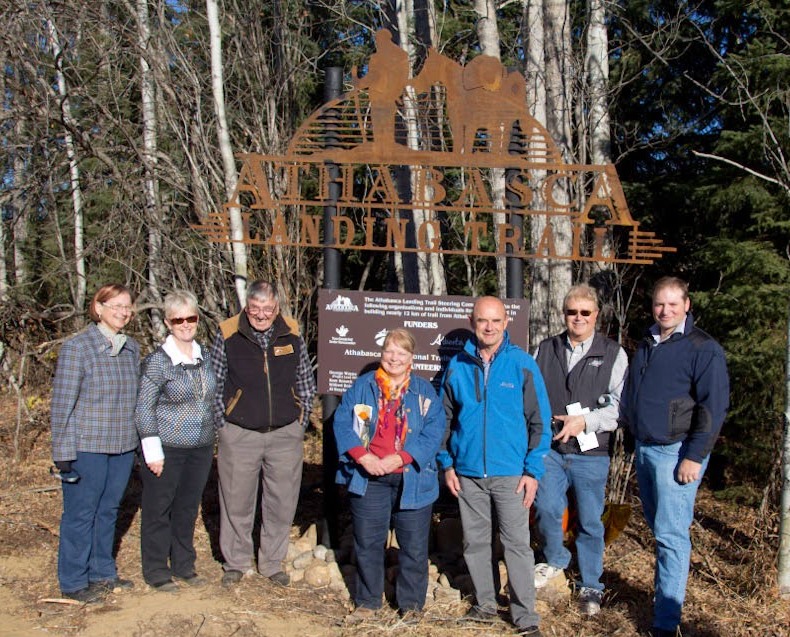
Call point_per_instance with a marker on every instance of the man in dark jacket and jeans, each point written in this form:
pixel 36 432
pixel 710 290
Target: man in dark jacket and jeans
pixel 676 398
pixel 584 373
pixel 265 389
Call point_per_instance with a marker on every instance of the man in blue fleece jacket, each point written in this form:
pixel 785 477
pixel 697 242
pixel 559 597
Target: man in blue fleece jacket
pixel 676 398
pixel 499 416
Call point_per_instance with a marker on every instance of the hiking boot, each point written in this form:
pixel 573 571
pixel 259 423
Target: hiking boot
pixel 481 615
pixel 192 580
pixel 168 586
pixel 360 614
pixel 114 585
pixel 544 572
pixel 590 601
pixel 663 632
pixel 280 578
pixel 89 595
pixel 231 577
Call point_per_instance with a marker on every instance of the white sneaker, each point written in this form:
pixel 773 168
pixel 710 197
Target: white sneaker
pixel 544 572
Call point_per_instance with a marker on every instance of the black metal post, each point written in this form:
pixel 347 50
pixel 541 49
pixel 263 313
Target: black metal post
pixel 333 88
pixel 514 266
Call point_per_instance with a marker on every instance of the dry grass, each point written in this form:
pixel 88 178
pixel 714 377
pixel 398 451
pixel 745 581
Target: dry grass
pixel 732 588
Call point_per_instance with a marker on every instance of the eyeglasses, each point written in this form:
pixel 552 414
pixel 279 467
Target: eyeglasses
pixel 575 312
pixel 118 308
pixel 183 319
pixel 262 311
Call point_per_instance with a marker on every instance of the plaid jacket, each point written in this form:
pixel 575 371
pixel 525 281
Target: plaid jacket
pixel 94 396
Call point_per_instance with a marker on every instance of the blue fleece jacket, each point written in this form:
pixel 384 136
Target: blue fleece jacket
pixel 425 428
pixel 499 426
pixel 678 391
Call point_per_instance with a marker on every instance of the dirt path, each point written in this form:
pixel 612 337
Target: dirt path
pixel 732 588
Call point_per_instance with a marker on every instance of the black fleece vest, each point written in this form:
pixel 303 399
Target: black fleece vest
pixel 586 382
pixel 260 391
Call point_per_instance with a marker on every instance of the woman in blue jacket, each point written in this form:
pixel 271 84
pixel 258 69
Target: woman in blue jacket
pixel 388 428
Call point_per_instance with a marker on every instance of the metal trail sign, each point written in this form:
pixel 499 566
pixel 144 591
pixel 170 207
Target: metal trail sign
pixel 409 161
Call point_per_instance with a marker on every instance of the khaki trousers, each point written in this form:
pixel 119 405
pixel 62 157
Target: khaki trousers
pixel 246 458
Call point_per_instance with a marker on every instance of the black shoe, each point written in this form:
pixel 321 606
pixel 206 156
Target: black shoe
pixel 168 586
pixel 480 615
pixel 229 578
pixel 111 585
pixel 529 631
pixel 280 578
pixel 87 595
pixel 192 580
pixel 663 632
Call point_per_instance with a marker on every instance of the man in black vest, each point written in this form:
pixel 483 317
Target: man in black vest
pixel 265 390
pixel 584 373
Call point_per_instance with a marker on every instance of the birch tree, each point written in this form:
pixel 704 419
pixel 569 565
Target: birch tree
pixel 551 279
pixel 238 248
pixel 488 35
pixel 78 286
pixel 153 213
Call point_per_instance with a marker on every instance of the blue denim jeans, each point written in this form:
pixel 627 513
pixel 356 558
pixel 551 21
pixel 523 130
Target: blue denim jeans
pixel 478 500
pixel 87 526
pixel 587 476
pixel 669 510
pixel 371 515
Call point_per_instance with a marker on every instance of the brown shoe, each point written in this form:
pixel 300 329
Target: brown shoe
pixel 360 614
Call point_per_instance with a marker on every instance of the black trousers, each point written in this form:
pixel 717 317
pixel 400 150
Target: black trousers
pixel 170 505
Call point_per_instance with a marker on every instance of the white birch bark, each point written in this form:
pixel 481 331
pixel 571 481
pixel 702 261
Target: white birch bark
pixel 597 68
pixel 150 184
pixel 78 287
pixel 238 248
pixel 596 64
pixel 488 36
pixel 552 278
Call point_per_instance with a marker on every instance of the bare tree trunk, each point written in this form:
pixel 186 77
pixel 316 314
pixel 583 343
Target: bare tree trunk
pixel 3 271
pixel 488 35
pixel 239 249
pixel 534 37
pixel 596 64
pixel 430 266
pixel 597 67
pixel 151 184
pixel 19 229
pixel 551 280
pixel 78 288
pixel 784 533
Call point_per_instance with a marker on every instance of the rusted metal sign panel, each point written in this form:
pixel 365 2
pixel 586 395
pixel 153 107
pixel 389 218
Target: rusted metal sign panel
pixel 352 326
pixel 411 161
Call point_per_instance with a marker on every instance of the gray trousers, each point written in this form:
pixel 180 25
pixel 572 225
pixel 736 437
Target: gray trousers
pixel 243 458
pixel 478 499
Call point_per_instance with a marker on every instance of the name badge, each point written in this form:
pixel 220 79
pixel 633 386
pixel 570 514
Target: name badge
pixel 283 350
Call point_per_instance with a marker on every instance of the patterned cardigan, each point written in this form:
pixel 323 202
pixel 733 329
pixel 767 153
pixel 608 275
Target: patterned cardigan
pixel 175 401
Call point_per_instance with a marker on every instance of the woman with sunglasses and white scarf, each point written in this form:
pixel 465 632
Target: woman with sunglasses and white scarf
pixel 175 421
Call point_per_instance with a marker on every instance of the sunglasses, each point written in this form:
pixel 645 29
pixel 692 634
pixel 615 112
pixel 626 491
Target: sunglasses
pixel 183 319
pixel 575 312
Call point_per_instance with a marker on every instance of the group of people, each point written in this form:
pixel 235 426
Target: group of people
pixel 251 392
pixel 507 432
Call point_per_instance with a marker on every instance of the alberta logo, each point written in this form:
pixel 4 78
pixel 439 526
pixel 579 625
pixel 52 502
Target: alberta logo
pixel 342 304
